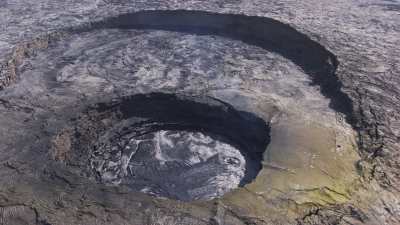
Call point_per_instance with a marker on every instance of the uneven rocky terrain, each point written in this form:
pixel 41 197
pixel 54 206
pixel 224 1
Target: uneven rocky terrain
pixel 199 112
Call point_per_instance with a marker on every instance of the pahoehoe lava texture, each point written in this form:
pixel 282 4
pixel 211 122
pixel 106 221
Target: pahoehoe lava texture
pixel 228 81
pixel 168 145
pixel 267 33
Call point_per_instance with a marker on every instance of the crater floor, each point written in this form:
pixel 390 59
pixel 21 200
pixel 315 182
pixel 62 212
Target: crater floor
pixel 178 165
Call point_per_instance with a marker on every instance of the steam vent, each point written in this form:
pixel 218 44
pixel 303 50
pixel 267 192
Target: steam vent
pixel 221 112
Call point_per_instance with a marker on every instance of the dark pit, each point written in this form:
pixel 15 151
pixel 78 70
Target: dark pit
pixel 169 145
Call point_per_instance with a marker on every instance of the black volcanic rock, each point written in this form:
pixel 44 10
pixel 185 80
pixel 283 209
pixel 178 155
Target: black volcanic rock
pixel 306 91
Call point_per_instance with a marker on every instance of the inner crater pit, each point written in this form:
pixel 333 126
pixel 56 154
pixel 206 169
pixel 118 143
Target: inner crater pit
pixel 170 145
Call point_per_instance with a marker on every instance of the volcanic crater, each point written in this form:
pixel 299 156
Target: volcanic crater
pixel 189 106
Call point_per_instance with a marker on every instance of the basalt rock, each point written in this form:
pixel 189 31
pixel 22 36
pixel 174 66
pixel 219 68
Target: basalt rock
pixel 238 112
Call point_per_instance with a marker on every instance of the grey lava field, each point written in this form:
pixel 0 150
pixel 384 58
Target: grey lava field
pixel 220 112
